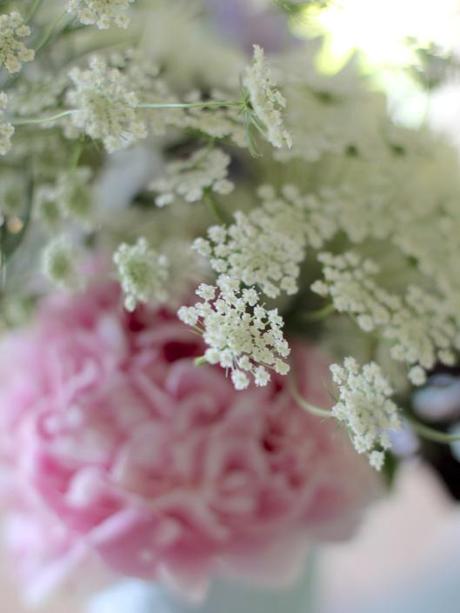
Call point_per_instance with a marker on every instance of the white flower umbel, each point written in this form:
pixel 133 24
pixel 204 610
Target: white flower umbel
pixel 266 246
pixel 102 13
pixel 266 101
pixel 423 333
pixel 60 263
pixel 204 169
pixel 74 194
pixel 13 52
pixel 365 407
pixel 105 107
pixel 69 197
pixel 419 325
pixel 348 280
pixel 242 335
pixel 143 273
pixel 6 129
pixel 263 247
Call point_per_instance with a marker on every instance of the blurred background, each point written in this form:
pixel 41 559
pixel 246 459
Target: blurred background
pixel 406 556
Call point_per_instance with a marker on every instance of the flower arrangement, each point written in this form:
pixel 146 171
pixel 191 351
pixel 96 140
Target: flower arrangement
pixel 163 472
pixel 298 211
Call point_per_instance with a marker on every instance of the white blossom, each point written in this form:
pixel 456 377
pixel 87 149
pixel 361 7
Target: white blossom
pixel 13 52
pixel 349 281
pixel 264 247
pixel 204 169
pixel 60 263
pixel 242 336
pixel 365 407
pixel 74 194
pixel 423 333
pixel 69 197
pixel 419 325
pixel 143 273
pixel 104 106
pixel 6 129
pixel 267 102
pixel 102 13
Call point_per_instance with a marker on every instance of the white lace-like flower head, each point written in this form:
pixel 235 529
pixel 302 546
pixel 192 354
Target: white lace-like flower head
pixel 143 273
pixel 242 336
pixel 102 13
pixel 204 169
pixel 365 407
pixel 266 101
pixel 105 108
pixel 60 263
pixel 13 52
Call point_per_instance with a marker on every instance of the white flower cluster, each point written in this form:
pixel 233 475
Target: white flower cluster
pixel 13 52
pixel 266 246
pixel 418 324
pixel 143 273
pixel 102 13
pixel 73 193
pixel 365 407
pixel 6 129
pixel 266 101
pixel 60 263
pixel 349 281
pixel 423 332
pixel 263 247
pixel 70 197
pixel 104 106
pixel 206 169
pixel 242 336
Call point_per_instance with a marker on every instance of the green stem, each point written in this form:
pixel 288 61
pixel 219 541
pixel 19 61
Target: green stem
pixel 431 434
pixel 307 406
pixel 189 105
pixel 37 120
pixel 33 10
pixel 167 105
pixel 50 31
pixel 215 208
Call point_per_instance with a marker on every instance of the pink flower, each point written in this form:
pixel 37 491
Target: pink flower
pixel 117 446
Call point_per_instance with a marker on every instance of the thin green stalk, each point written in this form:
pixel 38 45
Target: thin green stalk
pixel 304 404
pixel 189 105
pixel 431 434
pixel 33 10
pixel 215 208
pixel 37 120
pixel 52 29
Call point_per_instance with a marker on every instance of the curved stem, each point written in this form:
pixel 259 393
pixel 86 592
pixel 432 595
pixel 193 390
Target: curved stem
pixel 38 120
pixel 52 29
pixel 431 434
pixel 307 406
pixel 215 208
pixel 33 10
pixel 189 105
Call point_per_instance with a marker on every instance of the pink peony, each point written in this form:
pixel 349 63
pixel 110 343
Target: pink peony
pixel 116 446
